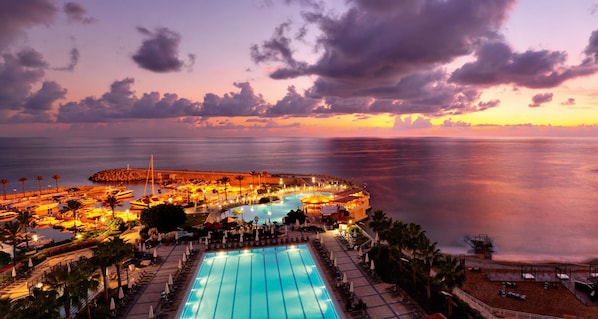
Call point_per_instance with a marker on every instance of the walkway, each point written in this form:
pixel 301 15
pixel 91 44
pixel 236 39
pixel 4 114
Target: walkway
pixel 381 303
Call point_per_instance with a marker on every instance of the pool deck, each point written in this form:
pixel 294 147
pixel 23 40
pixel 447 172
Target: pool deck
pixel 381 303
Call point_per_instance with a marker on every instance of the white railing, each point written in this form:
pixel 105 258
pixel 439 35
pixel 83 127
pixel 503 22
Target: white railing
pixel 492 313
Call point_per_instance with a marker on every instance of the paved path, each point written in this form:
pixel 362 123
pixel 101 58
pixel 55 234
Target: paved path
pixel 380 302
pixel 151 293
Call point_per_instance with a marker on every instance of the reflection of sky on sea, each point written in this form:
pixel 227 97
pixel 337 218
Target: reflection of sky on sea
pixel 535 198
pixel 277 210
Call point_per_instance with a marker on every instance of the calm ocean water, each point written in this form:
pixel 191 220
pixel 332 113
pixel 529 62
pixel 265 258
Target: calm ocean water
pixel 535 198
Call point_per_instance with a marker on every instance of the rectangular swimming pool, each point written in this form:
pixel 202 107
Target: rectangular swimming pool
pixel 273 282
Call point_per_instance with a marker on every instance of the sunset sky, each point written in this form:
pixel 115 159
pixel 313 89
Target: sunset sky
pixel 388 68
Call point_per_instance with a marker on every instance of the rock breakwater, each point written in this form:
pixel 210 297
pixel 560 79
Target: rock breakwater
pixel 119 175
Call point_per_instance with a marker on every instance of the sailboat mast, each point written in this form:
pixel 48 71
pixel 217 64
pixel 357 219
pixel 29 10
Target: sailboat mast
pixel 152 168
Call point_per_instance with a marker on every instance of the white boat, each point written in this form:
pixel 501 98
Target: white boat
pixel 6 216
pixel 146 202
pixel 120 193
pixel 45 208
pixel 152 199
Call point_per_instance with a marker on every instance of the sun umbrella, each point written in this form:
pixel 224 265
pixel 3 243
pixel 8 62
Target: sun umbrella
pixel 180 265
pixel 351 288
pixel 331 254
pixel 207 238
pixel 121 294
pixel 345 278
pixel 14 272
pixel 372 266
pixel 187 252
pixel 335 263
pixel 30 265
pixel 112 304
pixel 190 246
pixel 367 258
pixel 151 312
pixel 377 238
pixel 170 282
pixel 184 258
pixel 166 289
pixel 68 267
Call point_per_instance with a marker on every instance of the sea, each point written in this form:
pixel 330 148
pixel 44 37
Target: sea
pixel 536 198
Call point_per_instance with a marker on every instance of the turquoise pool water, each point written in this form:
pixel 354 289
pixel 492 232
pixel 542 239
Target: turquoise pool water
pixel 277 210
pixel 273 282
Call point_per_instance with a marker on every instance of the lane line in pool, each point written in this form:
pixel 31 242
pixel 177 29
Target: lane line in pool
pixel 311 282
pixel 263 254
pixel 286 313
pixel 203 289
pixel 296 284
pixel 235 288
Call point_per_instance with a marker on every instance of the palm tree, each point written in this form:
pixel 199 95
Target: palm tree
pixel 427 254
pixel 253 175
pixel 397 239
pixel 239 178
pixel 26 219
pixel 40 304
pixel 225 180
pixel 12 231
pixel 23 180
pixel 121 251
pixel 72 205
pixel 73 283
pixel 380 223
pixel 451 273
pixel 111 201
pixel 5 307
pixel 39 179
pixel 4 182
pixel 56 178
pixel 103 258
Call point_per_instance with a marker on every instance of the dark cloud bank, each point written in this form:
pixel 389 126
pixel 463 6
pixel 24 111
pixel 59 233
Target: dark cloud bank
pixel 379 56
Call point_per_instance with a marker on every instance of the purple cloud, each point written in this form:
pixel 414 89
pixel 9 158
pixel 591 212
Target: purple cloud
pixel 121 103
pixel 408 123
pixel 450 123
pixel 76 13
pixel 160 53
pixel 293 104
pixel 592 48
pixel 497 64
pixel 361 58
pixel 74 59
pixel 244 103
pixel 539 99
pixel 570 101
pixel 43 99
pixel 18 74
pixel 16 16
